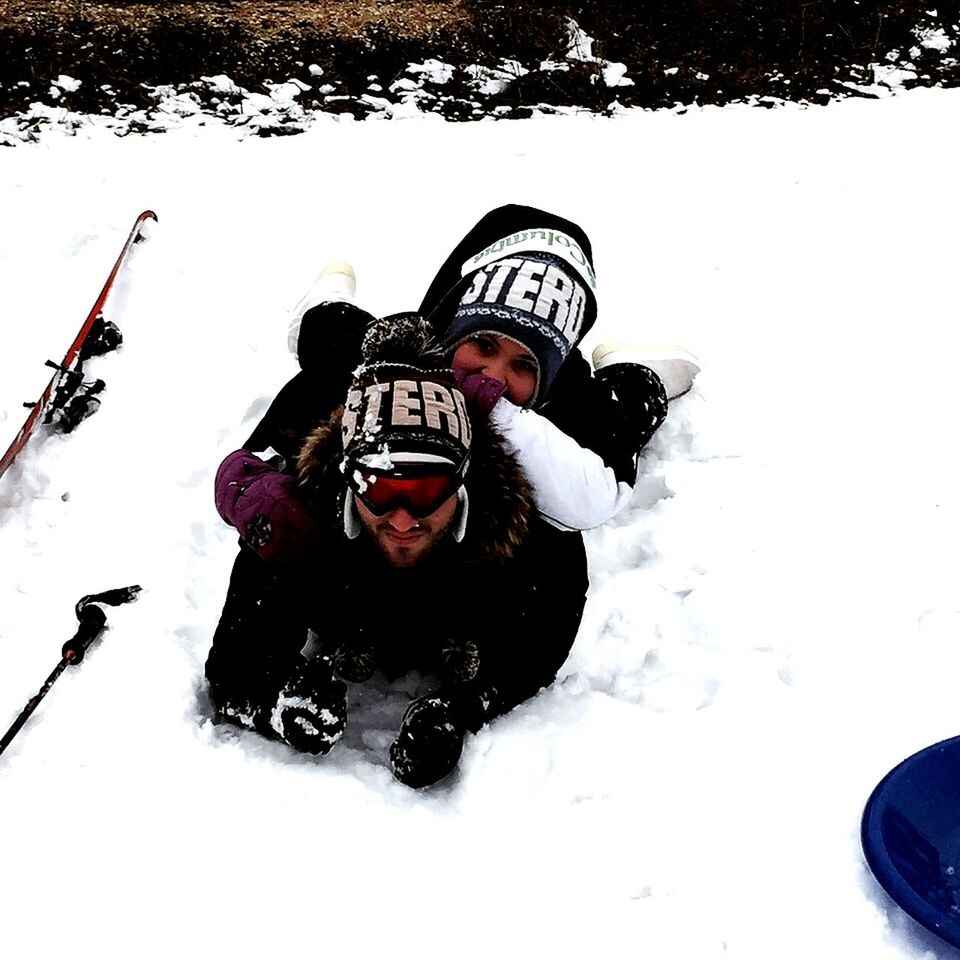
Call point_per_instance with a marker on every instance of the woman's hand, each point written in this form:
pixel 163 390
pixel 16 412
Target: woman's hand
pixel 481 392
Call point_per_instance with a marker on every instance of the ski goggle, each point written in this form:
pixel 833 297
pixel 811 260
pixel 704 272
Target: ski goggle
pixel 420 491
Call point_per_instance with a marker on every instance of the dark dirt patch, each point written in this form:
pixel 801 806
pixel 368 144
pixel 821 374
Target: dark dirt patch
pixel 675 51
pixel 718 51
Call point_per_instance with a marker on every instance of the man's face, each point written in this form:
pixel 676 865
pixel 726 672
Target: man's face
pixel 402 538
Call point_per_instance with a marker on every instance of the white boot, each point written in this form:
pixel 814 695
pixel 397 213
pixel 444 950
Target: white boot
pixel 675 366
pixel 337 283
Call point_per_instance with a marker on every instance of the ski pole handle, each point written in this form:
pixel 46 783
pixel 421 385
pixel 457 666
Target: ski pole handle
pixel 92 619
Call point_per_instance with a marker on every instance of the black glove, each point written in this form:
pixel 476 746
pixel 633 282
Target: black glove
pixel 429 743
pixel 643 397
pixel 310 712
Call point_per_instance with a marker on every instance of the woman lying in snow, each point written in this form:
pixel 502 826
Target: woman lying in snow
pixel 510 304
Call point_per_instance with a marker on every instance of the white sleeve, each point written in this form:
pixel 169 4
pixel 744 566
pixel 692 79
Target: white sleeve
pixel 572 487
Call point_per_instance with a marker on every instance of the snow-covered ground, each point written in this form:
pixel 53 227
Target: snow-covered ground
pixel 773 623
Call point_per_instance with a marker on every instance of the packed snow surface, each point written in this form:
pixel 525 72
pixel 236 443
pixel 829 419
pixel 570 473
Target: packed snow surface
pixel 772 625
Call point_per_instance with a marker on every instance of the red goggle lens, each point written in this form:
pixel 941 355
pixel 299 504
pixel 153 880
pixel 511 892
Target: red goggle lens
pixel 420 495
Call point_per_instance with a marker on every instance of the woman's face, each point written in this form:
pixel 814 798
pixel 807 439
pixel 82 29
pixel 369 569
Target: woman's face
pixel 503 359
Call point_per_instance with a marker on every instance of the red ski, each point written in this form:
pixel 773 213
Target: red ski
pixel 67 371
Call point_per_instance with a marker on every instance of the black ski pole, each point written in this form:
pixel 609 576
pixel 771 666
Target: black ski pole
pixel 92 621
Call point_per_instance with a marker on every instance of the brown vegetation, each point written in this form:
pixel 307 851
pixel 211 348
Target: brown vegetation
pixel 267 18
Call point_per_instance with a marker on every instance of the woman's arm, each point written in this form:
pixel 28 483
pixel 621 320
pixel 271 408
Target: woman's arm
pixel 580 448
pixel 573 487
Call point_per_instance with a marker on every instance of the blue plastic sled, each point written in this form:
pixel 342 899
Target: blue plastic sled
pixel 911 837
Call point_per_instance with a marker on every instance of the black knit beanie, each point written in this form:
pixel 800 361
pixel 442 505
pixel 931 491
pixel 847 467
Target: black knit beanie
pixel 403 406
pixel 537 287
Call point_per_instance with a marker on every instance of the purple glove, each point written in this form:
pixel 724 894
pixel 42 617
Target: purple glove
pixel 263 505
pixel 479 390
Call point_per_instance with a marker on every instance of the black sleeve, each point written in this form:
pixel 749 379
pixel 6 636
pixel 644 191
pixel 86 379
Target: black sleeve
pixel 257 643
pixel 294 412
pixel 539 603
pixel 328 351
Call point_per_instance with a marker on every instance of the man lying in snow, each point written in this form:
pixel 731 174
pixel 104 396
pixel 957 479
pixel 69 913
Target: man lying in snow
pixel 421 551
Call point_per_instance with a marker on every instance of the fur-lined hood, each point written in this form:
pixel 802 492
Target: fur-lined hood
pixel 500 498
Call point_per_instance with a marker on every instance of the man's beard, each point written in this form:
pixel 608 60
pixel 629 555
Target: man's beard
pixel 400 555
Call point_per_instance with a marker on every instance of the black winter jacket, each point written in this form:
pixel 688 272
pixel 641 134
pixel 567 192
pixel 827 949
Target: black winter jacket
pixel 491 618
